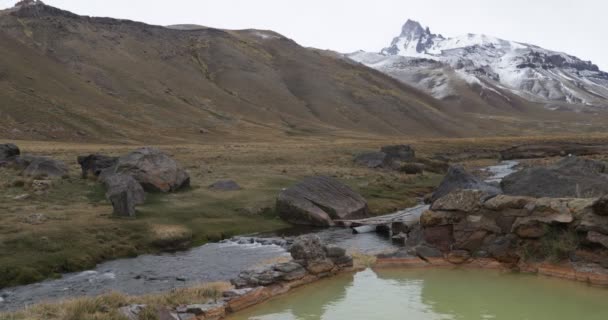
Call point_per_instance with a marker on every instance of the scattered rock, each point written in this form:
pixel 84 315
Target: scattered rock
pixel 153 169
pixel 124 192
pixel 225 185
pixel 318 201
pixel 571 177
pixel 94 164
pixel 458 178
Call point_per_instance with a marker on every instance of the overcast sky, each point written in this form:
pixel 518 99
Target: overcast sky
pixel 577 27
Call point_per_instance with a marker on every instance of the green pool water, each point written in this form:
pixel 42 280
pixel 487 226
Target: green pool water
pixel 436 294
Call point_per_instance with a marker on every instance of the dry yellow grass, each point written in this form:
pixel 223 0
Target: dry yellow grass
pixel 105 307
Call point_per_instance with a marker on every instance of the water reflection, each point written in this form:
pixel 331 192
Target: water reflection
pixel 436 295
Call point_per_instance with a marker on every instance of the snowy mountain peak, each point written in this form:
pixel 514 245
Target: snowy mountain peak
pixel 494 64
pixel 413 29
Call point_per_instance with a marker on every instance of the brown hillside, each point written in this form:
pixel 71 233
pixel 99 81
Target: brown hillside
pixel 69 77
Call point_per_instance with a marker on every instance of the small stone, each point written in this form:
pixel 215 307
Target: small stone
pixel 225 185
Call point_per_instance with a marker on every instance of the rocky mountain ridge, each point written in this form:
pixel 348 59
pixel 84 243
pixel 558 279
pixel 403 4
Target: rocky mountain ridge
pixel 438 65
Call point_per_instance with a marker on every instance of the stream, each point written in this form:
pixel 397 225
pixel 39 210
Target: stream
pixel 207 263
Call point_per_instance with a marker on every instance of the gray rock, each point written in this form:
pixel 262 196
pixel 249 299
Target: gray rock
pixel 291 270
pixel 372 160
pixel 320 200
pixel 8 152
pixel 571 177
pixel 307 248
pixel 44 167
pixel 458 178
pixel 225 185
pixel 124 192
pixel 94 164
pixel 153 169
pixel 132 312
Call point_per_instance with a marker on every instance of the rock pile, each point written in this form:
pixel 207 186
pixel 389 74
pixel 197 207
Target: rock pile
pixel 470 223
pixel 126 178
pixel 36 167
pixel 311 258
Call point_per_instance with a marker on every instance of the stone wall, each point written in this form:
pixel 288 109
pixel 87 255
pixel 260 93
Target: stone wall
pixel 515 229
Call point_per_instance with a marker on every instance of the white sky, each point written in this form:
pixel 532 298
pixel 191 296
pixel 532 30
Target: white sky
pixel 578 27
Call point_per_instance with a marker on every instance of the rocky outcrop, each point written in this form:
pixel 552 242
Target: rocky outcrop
pixel 458 178
pixel 124 192
pixel 319 201
pixel 225 185
pixel 153 169
pixel 92 165
pixel 570 177
pixel 547 150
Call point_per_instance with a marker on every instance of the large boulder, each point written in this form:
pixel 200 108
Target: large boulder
pixel 570 177
pixel 37 167
pixel 551 150
pixel 458 178
pixel 320 200
pixel 153 169
pixel 94 164
pixel 8 152
pixel 124 192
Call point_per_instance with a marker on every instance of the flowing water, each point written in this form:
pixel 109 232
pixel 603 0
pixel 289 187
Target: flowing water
pixel 441 294
pixel 207 263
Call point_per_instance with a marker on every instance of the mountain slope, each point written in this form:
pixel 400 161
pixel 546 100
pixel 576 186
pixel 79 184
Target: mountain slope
pixel 66 76
pixel 490 65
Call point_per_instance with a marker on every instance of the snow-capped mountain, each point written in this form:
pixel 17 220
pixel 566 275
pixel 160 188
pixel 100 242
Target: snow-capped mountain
pixel 489 65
